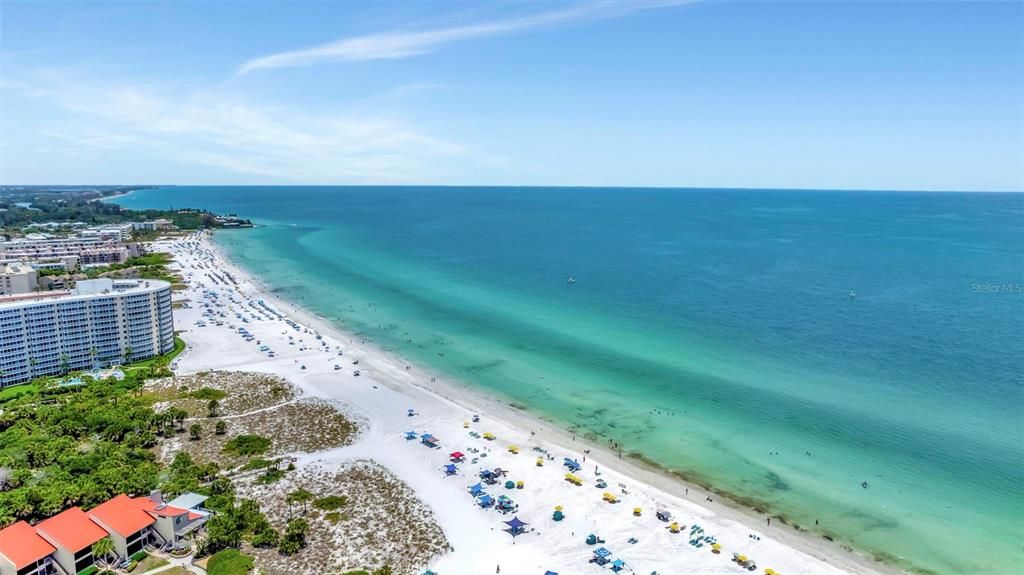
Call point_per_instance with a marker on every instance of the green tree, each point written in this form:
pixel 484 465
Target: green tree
pixel 195 432
pixel 211 407
pixel 102 550
pixel 220 428
pixel 301 496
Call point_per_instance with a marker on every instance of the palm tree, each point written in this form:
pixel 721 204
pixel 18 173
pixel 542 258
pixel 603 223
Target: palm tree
pixel 102 549
pixel 31 367
pixel 93 352
pixel 65 364
pixel 128 354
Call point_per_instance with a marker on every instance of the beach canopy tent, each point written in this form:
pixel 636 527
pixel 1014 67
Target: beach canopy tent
pixel 550 573
pixel 515 526
pixel 429 440
pixel 601 555
pixel 450 469
pixel 477 489
pixel 617 565
pixel 558 516
pixel 412 412
pixel 457 456
pixel 411 435
pixel 572 464
pixel 510 484
pixel 485 500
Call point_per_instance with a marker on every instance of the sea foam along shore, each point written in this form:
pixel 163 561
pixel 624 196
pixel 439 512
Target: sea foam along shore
pixel 388 386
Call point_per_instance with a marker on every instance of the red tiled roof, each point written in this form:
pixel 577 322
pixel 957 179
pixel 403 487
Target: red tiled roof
pixel 193 516
pixel 122 515
pixel 149 506
pixel 72 529
pixel 21 545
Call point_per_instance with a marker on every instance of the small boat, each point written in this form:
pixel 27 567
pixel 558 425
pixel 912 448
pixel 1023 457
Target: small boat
pixel 571 280
pixel 853 294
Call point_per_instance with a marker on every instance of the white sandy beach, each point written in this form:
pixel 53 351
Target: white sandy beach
pixel 386 387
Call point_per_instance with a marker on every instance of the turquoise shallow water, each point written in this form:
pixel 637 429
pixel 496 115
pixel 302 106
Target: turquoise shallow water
pixel 707 330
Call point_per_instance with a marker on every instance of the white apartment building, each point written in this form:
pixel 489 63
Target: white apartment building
pixel 99 323
pixel 18 278
pixel 115 232
pixel 158 225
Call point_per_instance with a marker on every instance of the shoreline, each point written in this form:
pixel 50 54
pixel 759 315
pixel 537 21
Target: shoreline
pixel 633 465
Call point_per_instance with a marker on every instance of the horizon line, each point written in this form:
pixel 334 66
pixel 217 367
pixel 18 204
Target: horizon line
pixel 624 187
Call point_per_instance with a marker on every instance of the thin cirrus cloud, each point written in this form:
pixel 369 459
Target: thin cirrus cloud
pixel 394 45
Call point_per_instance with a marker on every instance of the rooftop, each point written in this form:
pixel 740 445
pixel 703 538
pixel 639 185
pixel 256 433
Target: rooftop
pixel 21 545
pixel 161 509
pixel 123 515
pixel 188 500
pixel 87 289
pixel 71 529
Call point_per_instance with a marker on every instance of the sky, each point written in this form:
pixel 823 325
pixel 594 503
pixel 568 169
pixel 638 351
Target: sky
pixel 755 94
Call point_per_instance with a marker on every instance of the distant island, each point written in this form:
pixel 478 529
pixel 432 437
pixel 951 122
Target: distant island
pixel 62 207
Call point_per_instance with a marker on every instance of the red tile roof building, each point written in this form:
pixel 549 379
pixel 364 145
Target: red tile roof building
pixel 22 547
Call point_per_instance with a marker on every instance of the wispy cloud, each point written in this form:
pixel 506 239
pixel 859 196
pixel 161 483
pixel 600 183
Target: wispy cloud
pixel 403 44
pixel 232 133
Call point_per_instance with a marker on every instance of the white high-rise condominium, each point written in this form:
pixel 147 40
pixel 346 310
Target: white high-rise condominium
pixel 101 322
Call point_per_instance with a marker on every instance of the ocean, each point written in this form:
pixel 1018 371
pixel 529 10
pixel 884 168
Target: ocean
pixel 785 347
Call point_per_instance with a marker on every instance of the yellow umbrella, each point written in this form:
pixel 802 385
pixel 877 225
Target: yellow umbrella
pixel 465 424
pixel 513 449
pixel 716 546
pixel 637 511
pixel 741 559
pixel 540 462
pixel 558 507
pixel 519 484
pixel 769 571
pixel 607 495
pixel 488 435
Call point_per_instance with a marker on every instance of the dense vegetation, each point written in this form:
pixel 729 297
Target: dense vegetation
pixel 81 445
pixel 69 446
pixel 25 205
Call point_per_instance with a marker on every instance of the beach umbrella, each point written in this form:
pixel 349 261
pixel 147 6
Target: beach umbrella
pixel 450 469
pixel 510 485
pixel 741 559
pixel 558 507
pixel 637 511
pixel 540 462
pixel 716 546
pixel 519 484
